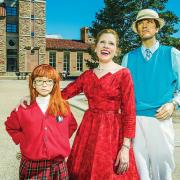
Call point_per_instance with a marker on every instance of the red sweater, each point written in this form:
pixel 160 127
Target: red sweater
pixel 40 135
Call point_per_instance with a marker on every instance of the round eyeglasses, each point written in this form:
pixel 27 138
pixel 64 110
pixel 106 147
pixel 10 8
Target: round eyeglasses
pixel 40 82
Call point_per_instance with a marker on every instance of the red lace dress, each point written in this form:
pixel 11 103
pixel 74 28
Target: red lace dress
pixel 100 135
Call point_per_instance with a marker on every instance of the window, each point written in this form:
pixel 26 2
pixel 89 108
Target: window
pixel 32 34
pixel 12 42
pixel 79 61
pixel 52 59
pixel 66 62
pixel 11 28
pixel 32 17
pixel 12 63
pixel 11 11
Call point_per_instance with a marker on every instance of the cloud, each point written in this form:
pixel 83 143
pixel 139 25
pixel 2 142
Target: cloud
pixel 54 36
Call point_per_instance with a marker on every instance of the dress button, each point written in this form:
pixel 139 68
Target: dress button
pixel 45 128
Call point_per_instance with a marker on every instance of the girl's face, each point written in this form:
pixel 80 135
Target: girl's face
pixel 43 85
pixel 106 47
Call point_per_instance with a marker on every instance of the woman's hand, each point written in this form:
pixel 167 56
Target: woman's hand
pixel 122 160
pixel 24 102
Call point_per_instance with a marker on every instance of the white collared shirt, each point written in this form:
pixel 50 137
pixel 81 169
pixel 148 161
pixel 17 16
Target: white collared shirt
pixel 152 49
pixel 43 102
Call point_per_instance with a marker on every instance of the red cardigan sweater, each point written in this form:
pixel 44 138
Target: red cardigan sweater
pixel 40 135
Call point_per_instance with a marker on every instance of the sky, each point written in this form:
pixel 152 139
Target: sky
pixel 65 18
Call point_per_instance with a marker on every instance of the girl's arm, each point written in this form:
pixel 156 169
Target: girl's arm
pixel 13 127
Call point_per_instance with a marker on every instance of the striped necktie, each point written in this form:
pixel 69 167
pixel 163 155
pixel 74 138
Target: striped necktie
pixel 148 54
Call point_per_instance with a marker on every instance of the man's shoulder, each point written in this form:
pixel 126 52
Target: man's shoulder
pixel 165 46
pixel 134 50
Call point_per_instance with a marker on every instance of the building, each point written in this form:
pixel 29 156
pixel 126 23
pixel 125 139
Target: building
pixel 22 35
pixel 67 55
pixel 23 42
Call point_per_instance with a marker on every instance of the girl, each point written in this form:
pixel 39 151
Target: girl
pixel 43 129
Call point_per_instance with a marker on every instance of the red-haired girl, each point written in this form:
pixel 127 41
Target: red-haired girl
pixel 43 129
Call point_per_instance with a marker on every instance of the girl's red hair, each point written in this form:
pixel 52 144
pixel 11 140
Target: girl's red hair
pixel 57 106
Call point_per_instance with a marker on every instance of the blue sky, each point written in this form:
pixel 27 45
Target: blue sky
pixel 65 17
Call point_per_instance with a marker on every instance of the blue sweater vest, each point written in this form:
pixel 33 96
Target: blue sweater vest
pixel 154 80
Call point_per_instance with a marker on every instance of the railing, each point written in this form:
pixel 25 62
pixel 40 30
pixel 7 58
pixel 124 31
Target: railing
pixel 21 75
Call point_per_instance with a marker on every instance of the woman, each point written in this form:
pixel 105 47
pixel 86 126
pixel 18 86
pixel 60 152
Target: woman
pixel 102 147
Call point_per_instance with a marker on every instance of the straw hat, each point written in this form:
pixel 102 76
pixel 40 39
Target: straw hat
pixel 147 14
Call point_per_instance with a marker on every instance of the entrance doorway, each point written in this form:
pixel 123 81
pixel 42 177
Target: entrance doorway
pixel 12 65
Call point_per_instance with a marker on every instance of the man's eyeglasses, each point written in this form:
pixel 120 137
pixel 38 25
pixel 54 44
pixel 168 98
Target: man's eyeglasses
pixel 40 82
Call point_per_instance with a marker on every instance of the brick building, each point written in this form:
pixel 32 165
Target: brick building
pixel 67 55
pixel 23 42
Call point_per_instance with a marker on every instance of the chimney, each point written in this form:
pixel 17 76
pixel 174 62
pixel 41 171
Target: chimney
pixel 84 34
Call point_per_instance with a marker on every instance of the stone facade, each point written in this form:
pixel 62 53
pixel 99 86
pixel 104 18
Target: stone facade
pixel 32 48
pixel 2 44
pixel 39 30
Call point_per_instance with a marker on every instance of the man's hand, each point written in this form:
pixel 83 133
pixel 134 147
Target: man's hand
pixel 24 102
pixel 165 111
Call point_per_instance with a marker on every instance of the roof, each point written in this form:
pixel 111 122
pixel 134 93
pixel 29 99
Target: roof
pixel 62 44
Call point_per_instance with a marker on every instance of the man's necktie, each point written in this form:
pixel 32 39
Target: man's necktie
pixel 148 54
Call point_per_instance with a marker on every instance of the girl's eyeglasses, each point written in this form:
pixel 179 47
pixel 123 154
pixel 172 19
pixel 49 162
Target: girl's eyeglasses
pixel 40 82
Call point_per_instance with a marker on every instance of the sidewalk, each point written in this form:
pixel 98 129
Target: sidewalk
pixel 10 93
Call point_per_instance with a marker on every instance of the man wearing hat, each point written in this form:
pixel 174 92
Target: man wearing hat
pixel 155 69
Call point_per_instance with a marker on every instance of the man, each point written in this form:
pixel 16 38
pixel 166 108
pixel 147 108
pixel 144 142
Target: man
pixel 156 74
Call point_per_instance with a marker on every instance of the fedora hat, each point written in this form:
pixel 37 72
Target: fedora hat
pixel 147 14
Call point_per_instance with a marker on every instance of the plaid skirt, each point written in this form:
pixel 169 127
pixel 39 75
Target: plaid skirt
pixel 55 169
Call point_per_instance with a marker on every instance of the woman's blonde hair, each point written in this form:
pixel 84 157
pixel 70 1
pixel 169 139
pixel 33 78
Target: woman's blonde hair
pixel 106 31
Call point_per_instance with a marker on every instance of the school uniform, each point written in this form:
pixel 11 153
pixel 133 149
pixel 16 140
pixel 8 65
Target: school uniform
pixel 43 140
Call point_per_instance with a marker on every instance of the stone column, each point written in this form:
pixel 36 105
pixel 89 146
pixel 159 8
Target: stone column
pixel 2 44
pixel 24 32
pixel 40 30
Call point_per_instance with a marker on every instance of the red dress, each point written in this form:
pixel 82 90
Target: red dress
pixel 100 135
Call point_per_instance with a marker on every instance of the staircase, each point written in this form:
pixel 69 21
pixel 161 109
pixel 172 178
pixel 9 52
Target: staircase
pixel 8 75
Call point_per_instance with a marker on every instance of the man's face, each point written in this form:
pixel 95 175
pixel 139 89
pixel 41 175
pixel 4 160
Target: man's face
pixel 146 28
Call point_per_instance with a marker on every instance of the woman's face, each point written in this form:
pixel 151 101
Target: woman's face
pixel 106 47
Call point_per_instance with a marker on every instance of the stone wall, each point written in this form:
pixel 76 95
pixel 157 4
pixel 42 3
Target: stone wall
pixel 40 30
pixel 24 32
pixel 2 44
pixel 35 43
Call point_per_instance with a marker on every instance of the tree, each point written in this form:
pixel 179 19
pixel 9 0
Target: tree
pixel 119 15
